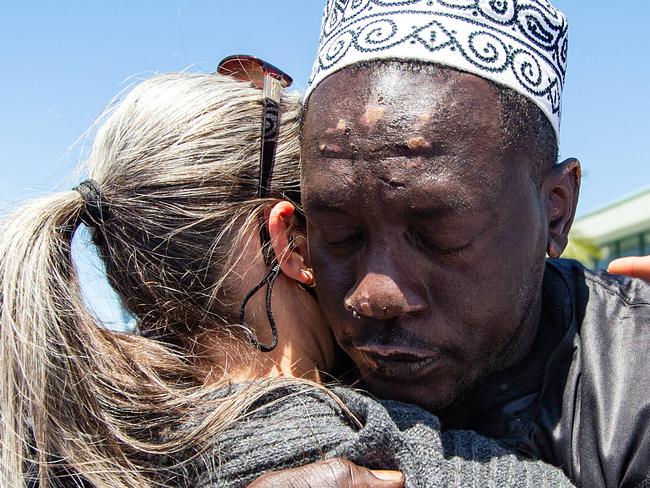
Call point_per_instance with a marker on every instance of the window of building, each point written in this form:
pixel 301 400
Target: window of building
pixel 630 246
pixel 608 254
pixel 646 243
pixel 635 245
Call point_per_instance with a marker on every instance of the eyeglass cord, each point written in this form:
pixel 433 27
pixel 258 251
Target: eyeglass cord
pixel 268 280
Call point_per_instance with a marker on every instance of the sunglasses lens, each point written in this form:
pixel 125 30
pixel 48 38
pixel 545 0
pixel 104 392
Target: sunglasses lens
pixel 244 69
pixel 285 80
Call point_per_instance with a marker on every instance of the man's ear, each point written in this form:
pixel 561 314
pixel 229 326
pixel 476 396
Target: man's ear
pixel 561 188
pixel 289 244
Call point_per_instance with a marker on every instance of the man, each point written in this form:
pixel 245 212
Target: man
pixel 433 196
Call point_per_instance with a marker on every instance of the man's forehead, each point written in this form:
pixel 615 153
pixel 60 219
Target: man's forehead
pixel 422 141
pixel 407 109
pixel 375 87
pixel 393 84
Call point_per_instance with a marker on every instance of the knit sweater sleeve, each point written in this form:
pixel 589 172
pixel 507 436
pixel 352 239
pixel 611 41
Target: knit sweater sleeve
pixel 430 457
pixel 300 425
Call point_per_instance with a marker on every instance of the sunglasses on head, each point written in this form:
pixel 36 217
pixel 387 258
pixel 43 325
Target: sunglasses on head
pixel 272 81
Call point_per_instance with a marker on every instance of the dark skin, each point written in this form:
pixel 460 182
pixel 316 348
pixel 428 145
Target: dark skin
pixel 423 223
pixel 423 220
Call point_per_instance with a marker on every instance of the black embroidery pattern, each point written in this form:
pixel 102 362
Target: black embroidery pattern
pixel 523 38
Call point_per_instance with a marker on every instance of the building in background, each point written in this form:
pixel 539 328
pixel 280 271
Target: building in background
pixel 619 229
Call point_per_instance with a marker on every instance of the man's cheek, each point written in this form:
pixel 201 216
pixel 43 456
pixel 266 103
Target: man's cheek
pixel 332 291
pixel 333 284
pixel 334 272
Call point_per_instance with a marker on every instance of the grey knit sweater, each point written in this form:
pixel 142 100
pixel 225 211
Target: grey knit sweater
pixel 297 425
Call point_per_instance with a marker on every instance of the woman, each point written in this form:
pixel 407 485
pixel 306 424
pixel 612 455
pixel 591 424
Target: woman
pixel 192 400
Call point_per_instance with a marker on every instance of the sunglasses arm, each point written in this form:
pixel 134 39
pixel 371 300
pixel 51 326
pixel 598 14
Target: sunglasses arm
pixel 272 88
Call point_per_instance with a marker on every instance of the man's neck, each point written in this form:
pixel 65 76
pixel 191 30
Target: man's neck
pixel 524 337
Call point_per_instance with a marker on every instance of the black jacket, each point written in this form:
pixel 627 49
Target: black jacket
pixel 581 399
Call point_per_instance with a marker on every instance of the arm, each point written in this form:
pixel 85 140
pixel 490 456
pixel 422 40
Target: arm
pixel 332 473
pixel 407 438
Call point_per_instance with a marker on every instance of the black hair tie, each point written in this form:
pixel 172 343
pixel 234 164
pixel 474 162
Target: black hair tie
pixel 95 211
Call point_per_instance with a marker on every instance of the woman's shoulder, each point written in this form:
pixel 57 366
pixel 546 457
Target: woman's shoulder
pixel 292 423
pixel 291 400
pixel 289 424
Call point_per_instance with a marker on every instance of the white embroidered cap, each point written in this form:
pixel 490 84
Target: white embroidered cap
pixel 521 44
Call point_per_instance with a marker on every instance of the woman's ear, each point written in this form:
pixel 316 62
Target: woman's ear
pixel 561 187
pixel 289 245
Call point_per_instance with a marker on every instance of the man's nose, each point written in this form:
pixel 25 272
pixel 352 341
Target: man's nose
pixel 381 297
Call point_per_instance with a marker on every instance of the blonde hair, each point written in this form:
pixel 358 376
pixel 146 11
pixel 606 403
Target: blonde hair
pixel 177 162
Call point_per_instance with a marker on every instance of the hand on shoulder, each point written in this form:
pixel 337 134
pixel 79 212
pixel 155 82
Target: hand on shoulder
pixel 331 472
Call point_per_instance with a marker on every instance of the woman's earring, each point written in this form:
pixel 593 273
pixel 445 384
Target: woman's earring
pixel 308 274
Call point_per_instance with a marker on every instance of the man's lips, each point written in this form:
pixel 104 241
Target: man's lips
pixel 398 362
pixel 395 352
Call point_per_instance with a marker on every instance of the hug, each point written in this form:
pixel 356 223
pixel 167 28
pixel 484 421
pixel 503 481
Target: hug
pixel 356 286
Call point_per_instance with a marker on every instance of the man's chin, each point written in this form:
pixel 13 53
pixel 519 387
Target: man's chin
pixel 430 396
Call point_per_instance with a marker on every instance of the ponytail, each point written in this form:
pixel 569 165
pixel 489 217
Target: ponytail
pixel 63 377
pixel 37 303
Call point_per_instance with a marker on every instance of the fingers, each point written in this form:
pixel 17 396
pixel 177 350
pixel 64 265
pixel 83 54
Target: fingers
pixel 332 473
pixel 394 477
pixel 638 267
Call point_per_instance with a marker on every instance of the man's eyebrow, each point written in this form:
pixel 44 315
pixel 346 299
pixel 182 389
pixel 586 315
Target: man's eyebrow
pixel 330 202
pixel 325 205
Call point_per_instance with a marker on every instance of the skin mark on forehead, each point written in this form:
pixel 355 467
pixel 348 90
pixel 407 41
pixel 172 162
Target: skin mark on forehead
pixel 423 120
pixel 419 144
pixel 392 183
pixel 342 128
pixel 371 117
pixel 330 148
pixel 416 163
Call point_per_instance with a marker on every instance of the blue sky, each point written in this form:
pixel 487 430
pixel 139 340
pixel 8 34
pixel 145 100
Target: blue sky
pixel 62 62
